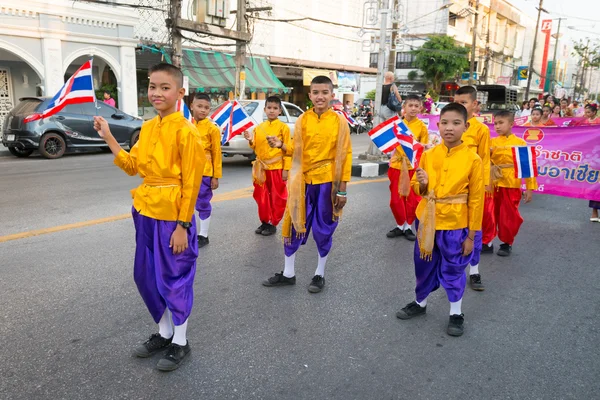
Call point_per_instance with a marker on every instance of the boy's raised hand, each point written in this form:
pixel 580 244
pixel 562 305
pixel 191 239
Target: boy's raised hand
pixel 274 142
pixel 101 126
pixel 422 176
pixel 247 136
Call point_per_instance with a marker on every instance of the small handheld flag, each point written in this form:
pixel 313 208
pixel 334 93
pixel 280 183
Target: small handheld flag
pixel 411 147
pixel 525 162
pixel 384 135
pixel 232 120
pixel 347 117
pixel 79 88
pixel 183 108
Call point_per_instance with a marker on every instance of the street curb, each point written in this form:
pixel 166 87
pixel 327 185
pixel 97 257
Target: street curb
pixel 370 169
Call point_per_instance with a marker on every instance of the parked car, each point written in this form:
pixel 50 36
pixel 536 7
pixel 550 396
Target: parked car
pixel 71 128
pixel 255 109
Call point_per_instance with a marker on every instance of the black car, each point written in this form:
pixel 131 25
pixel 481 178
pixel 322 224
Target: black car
pixel 71 128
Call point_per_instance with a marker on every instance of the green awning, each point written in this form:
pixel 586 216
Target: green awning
pixel 210 71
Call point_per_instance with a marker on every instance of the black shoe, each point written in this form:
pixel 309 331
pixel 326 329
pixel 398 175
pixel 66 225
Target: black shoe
pixel 269 230
pixel 487 249
pixel 261 228
pixel 395 233
pixel 455 325
pixel 475 283
pixel 505 250
pixel 202 241
pixel 317 284
pixel 411 310
pixel 279 280
pixel 410 235
pixel 173 357
pixel 151 346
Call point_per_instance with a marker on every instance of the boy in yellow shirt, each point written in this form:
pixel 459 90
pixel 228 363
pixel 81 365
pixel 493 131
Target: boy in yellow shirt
pixel 213 170
pixel 477 138
pixel 403 200
pixel 450 180
pixel 321 165
pixel 507 193
pixel 270 169
pixel 170 158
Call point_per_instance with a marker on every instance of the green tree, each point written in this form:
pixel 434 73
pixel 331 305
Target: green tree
pixel 440 59
pixel 370 95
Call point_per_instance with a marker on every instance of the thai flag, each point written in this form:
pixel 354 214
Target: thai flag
pixel 231 118
pixel 525 162
pixel 347 116
pixel 183 108
pixel 412 148
pixel 384 135
pixel 79 88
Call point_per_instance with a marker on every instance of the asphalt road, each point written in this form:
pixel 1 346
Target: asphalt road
pixel 71 312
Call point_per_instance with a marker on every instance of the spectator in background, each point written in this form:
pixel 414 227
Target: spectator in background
pixel 565 111
pixel 546 120
pixel 525 109
pixel 591 115
pixel 577 109
pixel 108 99
pixel 556 112
pixel 532 102
pixel 389 89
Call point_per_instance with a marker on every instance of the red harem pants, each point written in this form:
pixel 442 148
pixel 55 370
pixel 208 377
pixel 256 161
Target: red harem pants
pixel 403 208
pixel 508 218
pixel 271 197
pixel 488 224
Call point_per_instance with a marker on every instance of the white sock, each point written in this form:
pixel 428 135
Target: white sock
pixel 288 270
pixel 422 303
pixel 473 269
pixel 165 325
pixel 400 227
pixel 455 307
pixel 405 226
pixel 180 336
pixel 204 224
pixel 321 266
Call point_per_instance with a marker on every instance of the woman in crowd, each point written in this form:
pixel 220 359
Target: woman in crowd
pixel 556 112
pixel 536 117
pixel 591 115
pixel 546 120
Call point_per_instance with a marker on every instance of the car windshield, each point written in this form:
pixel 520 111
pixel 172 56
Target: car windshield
pixel 27 107
pixel 250 107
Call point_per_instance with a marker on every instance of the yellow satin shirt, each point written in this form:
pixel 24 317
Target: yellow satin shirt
pixel 477 138
pixel 169 156
pixel 421 134
pixel 501 149
pixel 265 152
pixel 452 172
pixel 320 143
pixel 211 140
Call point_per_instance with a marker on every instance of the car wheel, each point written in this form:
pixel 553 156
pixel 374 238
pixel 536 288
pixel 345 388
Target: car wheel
pixel 17 152
pixel 52 145
pixel 135 136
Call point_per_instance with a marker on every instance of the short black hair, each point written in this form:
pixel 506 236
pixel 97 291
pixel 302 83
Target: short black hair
pixel 592 107
pixel 458 108
pixel 538 109
pixel 322 79
pixel 470 90
pixel 563 99
pixel 273 99
pixel 201 96
pixel 548 107
pixel 414 97
pixel 108 92
pixel 169 69
pixel 505 114
pixel 533 99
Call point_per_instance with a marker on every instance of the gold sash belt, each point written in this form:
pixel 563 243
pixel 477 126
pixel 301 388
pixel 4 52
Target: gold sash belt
pixel 496 172
pixel 259 166
pixel 157 181
pixel 404 180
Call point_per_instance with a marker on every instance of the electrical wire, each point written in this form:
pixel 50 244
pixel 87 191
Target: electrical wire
pixel 104 2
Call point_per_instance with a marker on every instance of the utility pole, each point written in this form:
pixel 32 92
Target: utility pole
pixel 392 57
pixel 584 62
pixel 530 70
pixel 240 52
pixel 554 69
pixel 487 51
pixel 174 14
pixel 474 44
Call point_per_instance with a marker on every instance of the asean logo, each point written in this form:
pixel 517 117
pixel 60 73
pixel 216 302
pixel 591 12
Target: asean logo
pixel 533 135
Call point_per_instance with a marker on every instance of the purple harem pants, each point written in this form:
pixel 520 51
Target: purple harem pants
pixel 476 255
pixel 319 218
pixel 205 195
pixel 446 267
pixel 162 278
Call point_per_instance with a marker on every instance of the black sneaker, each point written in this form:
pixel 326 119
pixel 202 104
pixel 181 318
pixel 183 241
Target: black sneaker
pixel 475 283
pixel 395 233
pixel 202 241
pixel 455 325
pixel 487 249
pixel 269 230
pixel 411 310
pixel 280 280
pixel 261 228
pixel 151 346
pixel 505 250
pixel 173 357
pixel 409 234
pixel 317 283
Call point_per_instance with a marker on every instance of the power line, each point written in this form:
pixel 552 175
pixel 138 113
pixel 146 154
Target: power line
pixel 105 3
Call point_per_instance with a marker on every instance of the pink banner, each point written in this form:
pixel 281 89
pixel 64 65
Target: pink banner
pixel 568 158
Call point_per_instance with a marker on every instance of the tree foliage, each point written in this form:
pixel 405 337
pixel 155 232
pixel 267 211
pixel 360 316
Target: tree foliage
pixel 370 95
pixel 440 59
